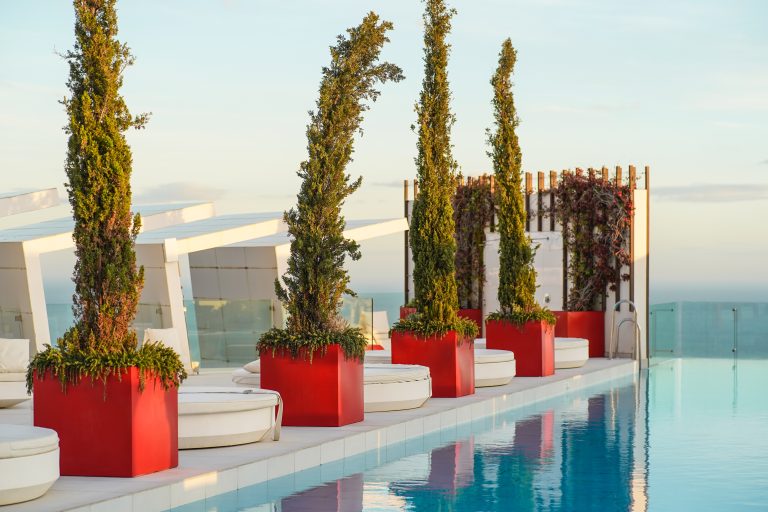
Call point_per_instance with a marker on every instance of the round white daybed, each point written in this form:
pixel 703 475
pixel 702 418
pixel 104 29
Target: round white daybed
pixel 492 367
pixel 226 416
pixel 571 352
pixel 29 462
pixel 386 387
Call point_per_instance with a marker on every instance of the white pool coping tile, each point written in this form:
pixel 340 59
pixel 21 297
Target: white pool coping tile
pixel 210 472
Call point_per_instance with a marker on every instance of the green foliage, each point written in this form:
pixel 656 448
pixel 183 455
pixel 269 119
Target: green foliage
pixel 432 226
pixel 596 216
pixel 472 212
pixel 517 276
pixel 522 316
pixel 423 326
pixel 98 166
pixel 70 362
pixel 316 279
pixel 351 340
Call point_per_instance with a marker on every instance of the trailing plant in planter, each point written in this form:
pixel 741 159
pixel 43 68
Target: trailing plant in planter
pixel 316 279
pixel 432 224
pixel 98 166
pixel 517 276
pixel 596 216
pixel 473 209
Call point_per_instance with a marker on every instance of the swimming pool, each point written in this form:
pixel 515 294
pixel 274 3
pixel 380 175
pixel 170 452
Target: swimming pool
pixel 692 435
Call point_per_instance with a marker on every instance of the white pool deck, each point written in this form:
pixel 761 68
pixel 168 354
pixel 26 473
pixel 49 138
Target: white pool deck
pixel 209 472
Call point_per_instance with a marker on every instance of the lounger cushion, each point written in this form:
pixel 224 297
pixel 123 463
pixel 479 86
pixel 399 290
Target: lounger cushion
pixel 253 366
pixel 24 440
pixel 14 355
pixel 387 373
pixel 378 357
pixel 211 400
pixel 13 377
pixel 489 355
pixel 570 343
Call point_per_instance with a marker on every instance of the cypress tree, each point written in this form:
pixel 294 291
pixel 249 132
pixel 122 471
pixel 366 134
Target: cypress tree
pixel 432 224
pixel 517 276
pixel 98 166
pixel 316 279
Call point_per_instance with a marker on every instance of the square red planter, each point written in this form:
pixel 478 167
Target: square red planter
pixel 532 343
pixel 129 433
pixel 583 324
pixel 327 392
pixel 451 364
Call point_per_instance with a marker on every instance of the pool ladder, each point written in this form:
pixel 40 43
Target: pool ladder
pixel 616 329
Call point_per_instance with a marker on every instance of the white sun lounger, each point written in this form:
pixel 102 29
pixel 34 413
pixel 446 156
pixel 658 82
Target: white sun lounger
pixel 492 367
pixel 227 416
pixel 571 352
pixel 29 462
pixel 386 387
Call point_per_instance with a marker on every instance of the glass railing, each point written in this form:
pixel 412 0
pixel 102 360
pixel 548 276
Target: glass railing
pixel 61 318
pixel 709 329
pixel 358 312
pixel 10 324
pixel 223 333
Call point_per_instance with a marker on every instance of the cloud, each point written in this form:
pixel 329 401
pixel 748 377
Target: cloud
pixel 712 193
pixel 178 191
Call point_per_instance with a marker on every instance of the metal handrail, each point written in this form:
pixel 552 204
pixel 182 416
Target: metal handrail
pixel 615 329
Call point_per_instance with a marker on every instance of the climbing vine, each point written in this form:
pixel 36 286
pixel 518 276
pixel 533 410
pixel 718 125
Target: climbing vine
pixel 472 213
pixel 595 215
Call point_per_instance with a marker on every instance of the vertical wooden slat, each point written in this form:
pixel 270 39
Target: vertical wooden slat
pixel 617 298
pixel 415 189
pixel 632 181
pixel 647 254
pixel 565 259
pixel 528 192
pixel 407 259
pixel 540 201
pixel 591 173
pixel 552 192
pixel 618 175
pixel 493 204
pixel 604 174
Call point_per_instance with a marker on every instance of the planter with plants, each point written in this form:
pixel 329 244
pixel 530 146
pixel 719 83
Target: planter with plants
pixel 113 405
pixel 316 361
pixel 521 325
pixel 434 335
pixel 595 215
pixel 473 210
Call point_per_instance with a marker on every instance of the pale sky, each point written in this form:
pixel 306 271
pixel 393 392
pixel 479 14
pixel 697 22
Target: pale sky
pixel 679 85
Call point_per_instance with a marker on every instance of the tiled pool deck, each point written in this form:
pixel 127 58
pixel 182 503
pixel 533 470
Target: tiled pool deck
pixel 210 472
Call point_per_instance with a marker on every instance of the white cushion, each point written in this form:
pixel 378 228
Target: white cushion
pixel 209 400
pixel 13 377
pixel 561 343
pixel 490 355
pixel 169 338
pixel 385 373
pixel 24 440
pixel 14 355
pixel 243 377
pixel 253 366
pixel 378 356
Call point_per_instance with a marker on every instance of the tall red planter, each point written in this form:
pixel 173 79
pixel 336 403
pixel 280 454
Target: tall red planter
pixel 405 311
pixel 110 430
pixel 533 345
pixel 451 361
pixel 326 392
pixel 583 324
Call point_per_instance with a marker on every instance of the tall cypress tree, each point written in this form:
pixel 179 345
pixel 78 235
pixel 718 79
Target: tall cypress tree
pixel 517 276
pixel 432 224
pixel 316 278
pixel 98 166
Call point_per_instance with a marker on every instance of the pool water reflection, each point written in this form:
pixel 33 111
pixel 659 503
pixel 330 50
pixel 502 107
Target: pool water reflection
pixel 693 435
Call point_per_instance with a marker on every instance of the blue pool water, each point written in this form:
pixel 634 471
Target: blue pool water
pixel 691 436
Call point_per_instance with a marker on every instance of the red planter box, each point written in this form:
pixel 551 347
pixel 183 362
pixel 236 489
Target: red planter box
pixel 533 345
pixel 130 433
pixel 583 324
pixel 475 315
pixel 405 311
pixel 451 365
pixel 327 392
